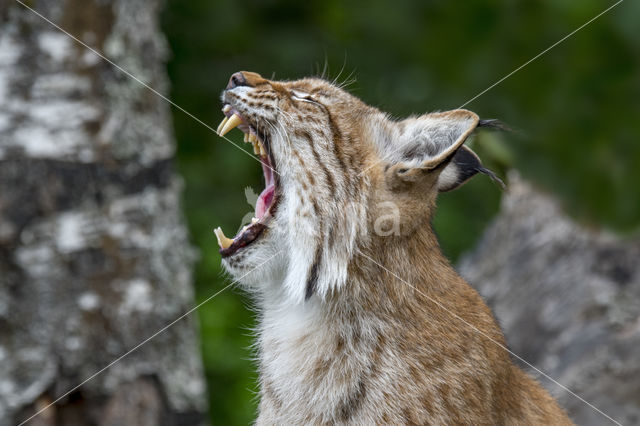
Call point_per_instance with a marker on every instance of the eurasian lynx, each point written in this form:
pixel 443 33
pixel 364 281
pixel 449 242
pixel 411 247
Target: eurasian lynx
pixel 359 324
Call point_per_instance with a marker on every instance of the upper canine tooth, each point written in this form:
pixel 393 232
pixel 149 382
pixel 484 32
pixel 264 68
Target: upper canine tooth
pixel 223 241
pixel 230 124
pixel 222 124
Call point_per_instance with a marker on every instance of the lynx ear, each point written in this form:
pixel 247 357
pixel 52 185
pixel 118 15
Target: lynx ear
pixel 428 140
pixel 423 143
pixel 462 166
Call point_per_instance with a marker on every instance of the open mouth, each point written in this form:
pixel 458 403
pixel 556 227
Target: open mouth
pixel 267 200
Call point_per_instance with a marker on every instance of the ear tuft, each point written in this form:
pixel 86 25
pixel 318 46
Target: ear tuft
pixel 464 165
pixel 494 124
pixel 493 177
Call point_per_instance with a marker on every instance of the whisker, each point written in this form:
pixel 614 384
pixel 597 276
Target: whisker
pixel 350 79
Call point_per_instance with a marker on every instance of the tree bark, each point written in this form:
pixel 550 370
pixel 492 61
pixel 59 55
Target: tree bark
pixel 94 254
pixel 568 299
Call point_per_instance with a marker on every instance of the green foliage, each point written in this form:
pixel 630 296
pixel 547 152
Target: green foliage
pixel 574 111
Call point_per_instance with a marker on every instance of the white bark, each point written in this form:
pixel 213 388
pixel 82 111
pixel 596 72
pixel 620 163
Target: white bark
pixel 94 254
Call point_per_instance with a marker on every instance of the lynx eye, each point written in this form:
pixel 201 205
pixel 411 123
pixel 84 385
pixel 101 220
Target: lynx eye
pixel 302 96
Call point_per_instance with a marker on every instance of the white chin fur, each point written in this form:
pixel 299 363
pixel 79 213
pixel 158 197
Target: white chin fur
pixel 257 266
pixel 308 245
pixel 301 237
pixel 279 263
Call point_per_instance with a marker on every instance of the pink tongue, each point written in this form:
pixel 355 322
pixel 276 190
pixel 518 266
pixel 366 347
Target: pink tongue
pixel 264 201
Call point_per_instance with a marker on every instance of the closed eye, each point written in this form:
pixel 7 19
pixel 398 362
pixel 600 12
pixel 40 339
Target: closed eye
pixel 303 97
pixel 299 94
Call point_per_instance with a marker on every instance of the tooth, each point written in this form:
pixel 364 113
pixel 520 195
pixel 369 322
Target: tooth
pixel 254 220
pixel 226 108
pixel 246 137
pixel 223 241
pixel 263 151
pixel 221 125
pixel 229 125
pixel 252 137
pixel 256 149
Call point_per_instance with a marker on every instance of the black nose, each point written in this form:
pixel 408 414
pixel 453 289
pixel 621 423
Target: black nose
pixel 237 79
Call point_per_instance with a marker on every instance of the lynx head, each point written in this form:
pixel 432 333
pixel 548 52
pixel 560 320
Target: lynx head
pixel 339 175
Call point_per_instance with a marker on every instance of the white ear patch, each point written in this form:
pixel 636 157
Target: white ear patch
pixel 462 167
pixel 428 140
pixel 448 178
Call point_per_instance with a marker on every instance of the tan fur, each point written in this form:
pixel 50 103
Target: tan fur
pixel 415 345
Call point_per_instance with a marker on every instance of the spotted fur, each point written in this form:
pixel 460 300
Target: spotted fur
pixel 357 327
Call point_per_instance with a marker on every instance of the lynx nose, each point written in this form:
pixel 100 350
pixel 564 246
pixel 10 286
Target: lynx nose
pixel 246 78
pixel 237 79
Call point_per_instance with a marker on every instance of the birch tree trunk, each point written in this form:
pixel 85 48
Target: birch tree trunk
pixel 94 254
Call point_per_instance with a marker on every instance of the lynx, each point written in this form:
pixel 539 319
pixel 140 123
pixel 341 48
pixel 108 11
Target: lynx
pixel 359 325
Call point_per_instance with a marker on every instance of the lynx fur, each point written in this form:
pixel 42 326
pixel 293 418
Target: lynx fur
pixel 362 320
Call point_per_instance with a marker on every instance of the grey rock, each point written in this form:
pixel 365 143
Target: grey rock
pixel 568 299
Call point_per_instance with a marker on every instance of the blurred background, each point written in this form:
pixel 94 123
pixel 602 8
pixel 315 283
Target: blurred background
pixel 109 196
pixel 574 111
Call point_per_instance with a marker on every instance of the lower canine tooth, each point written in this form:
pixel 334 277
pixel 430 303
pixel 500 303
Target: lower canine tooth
pixel 230 124
pixel 223 241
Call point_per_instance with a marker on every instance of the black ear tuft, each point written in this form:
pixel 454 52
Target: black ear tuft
pixel 492 123
pixel 493 177
pixel 464 165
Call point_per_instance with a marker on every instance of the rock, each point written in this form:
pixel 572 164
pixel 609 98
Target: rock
pixel 568 300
